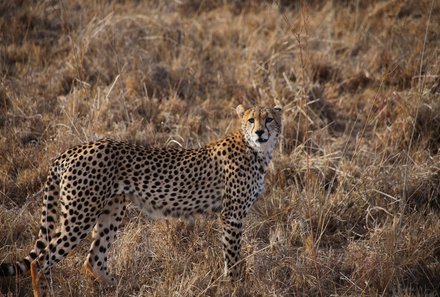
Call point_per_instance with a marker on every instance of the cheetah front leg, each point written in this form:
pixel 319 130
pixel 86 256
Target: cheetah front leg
pixel 231 238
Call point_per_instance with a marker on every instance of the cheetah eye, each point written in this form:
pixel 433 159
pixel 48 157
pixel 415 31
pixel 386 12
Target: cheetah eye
pixel 268 120
pixel 251 120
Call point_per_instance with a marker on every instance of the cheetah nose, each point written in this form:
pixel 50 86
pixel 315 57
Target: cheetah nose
pixel 259 132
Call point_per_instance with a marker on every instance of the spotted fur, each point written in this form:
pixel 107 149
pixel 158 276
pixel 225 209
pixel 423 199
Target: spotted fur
pixel 91 183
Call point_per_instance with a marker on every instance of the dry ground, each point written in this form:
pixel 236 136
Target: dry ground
pixel 352 204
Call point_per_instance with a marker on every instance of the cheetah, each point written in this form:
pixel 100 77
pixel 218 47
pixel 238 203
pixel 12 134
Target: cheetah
pixel 90 184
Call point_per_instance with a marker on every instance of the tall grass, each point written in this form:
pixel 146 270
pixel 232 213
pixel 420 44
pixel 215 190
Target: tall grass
pixel 352 200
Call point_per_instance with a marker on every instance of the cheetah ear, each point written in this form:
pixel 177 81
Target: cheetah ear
pixel 240 110
pixel 278 108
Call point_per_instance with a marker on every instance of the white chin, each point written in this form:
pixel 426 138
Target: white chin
pixel 260 143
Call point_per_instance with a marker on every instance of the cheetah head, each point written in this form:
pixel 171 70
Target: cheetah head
pixel 261 126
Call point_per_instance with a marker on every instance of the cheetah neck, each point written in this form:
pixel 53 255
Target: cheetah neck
pixel 264 156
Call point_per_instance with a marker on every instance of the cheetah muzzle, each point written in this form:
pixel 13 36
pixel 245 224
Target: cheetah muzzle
pixel 91 183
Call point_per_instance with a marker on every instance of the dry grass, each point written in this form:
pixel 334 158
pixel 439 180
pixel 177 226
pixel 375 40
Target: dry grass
pixel 352 205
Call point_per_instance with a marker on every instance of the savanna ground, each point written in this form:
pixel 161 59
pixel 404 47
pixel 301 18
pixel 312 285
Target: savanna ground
pixel 352 202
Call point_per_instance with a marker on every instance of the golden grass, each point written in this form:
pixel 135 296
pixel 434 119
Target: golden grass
pixel 352 202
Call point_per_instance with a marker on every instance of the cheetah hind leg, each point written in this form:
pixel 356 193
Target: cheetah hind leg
pixel 39 282
pixel 104 233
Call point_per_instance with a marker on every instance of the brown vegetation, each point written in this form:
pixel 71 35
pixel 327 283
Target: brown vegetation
pixel 352 204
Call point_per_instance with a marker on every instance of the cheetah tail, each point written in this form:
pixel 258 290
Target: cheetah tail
pixel 49 211
pixel 13 269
